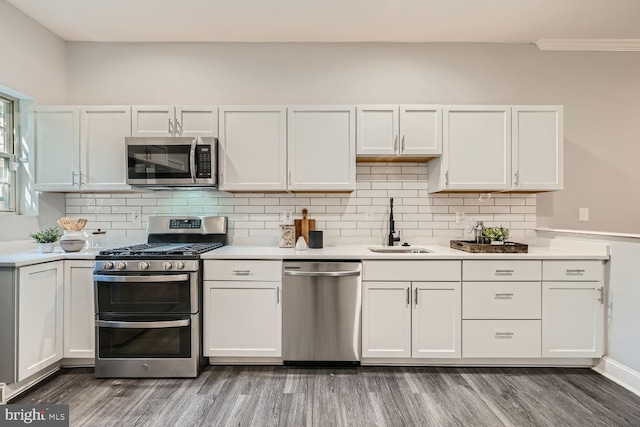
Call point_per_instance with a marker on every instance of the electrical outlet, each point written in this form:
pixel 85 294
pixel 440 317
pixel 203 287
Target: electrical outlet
pixel 583 214
pixel 459 217
pixel 135 217
pixel 368 214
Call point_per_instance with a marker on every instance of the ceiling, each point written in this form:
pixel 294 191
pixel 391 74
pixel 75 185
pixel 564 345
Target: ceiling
pixel 511 21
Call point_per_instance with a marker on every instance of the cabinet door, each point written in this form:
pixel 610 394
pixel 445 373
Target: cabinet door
pixel 79 330
pixel 436 328
pixel 56 148
pixel 40 317
pixel 153 120
pixel 386 319
pixel 253 148
pixel 196 120
pixel 537 147
pixel 102 133
pixel 476 151
pixel 420 130
pixel 378 130
pixel 242 319
pixel 322 148
pixel 572 319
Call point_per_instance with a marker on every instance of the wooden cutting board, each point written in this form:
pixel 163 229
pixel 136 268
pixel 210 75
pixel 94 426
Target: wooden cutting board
pixel 304 225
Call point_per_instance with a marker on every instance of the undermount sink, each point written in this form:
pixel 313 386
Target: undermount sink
pixel 399 250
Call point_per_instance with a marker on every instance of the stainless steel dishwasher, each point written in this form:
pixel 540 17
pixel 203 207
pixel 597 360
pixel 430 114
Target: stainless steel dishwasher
pixel 321 305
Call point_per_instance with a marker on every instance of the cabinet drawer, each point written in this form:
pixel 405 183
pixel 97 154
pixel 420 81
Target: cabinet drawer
pixel 501 338
pixel 501 270
pixel 423 271
pixel 572 270
pixel 246 270
pixel 501 300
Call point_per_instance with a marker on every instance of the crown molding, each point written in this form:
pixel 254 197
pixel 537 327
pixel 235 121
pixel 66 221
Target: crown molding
pixel 604 45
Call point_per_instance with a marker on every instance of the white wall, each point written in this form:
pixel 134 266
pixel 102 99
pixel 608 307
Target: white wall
pixel 35 72
pixel 600 92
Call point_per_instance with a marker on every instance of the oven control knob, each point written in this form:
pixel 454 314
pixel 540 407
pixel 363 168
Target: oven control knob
pixel 167 265
pixel 179 265
pixel 121 265
pixel 107 265
pixel 143 265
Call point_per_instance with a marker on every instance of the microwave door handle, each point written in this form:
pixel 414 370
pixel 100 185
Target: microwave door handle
pixel 193 159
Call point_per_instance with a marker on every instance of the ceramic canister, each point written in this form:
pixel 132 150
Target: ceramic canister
pixel 287 236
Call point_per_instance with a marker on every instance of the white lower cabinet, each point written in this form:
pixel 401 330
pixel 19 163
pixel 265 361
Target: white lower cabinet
pixel 79 330
pixel 242 308
pixel 40 305
pixel 412 318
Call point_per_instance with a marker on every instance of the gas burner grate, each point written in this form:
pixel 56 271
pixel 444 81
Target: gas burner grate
pixel 150 249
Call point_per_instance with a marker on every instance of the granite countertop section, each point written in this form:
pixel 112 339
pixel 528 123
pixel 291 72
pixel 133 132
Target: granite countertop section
pixel 361 252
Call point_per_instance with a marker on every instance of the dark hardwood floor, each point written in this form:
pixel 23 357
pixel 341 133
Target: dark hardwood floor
pixel 367 396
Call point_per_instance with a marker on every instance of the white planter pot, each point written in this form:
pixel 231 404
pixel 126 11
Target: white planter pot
pixel 45 248
pixel 497 242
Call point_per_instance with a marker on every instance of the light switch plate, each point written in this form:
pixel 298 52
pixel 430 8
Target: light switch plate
pixel 584 214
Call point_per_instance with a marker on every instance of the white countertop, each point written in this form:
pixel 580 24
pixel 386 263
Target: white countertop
pixel 20 254
pixel 591 252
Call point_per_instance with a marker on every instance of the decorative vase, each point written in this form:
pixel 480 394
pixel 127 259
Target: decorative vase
pixel 45 248
pixel 497 242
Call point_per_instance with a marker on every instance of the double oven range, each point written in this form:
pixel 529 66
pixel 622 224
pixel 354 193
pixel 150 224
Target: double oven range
pixel 148 300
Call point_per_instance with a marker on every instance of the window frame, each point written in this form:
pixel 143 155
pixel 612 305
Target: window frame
pixel 9 156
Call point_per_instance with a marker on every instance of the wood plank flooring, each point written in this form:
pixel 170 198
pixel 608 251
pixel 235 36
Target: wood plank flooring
pixel 366 396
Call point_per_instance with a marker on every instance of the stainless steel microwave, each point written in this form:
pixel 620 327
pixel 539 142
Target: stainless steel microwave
pixel 166 162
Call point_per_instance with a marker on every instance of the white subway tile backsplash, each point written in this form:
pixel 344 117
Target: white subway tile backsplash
pixel 358 217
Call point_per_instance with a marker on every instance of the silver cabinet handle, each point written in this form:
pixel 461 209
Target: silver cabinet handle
pixel 178 128
pixel 408 296
pixel 278 295
pixel 321 273
pixel 73 178
pixel 143 325
pixel 170 128
pixel 601 297
pixel 517 176
pixel 504 334
pixel 504 296
pixel 446 179
pixel 395 144
pixel 504 272
pixel 85 180
pixel 242 272
pixel 138 279
pixel 416 297
pixel 289 178
pixel 402 144
pixel 576 271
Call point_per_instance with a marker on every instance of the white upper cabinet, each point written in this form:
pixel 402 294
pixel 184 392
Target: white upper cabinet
pixel 80 148
pixel 170 120
pixel 537 148
pixel 322 148
pixel 253 148
pixel 102 150
pixel 476 153
pixel 399 131
pixel 56 147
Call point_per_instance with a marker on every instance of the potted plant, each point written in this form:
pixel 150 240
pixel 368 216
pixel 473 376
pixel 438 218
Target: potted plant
pixel 496 235
pixel 45 238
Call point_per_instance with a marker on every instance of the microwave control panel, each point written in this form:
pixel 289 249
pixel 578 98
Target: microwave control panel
pixel 203 161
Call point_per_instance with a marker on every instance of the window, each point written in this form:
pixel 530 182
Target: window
pixel 7 175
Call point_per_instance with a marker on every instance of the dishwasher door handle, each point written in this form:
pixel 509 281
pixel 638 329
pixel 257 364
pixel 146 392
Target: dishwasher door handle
pixel 321 273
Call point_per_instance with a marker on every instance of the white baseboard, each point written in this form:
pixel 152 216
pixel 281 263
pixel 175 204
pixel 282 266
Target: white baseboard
pixel 619 374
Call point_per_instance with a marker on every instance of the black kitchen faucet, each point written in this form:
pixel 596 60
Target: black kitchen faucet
pixel 392 226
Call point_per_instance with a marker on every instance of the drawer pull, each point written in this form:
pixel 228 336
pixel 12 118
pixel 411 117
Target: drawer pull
pixel 576 271
pixel 242 272
pixel 504 334
pixel 504 296
pixel 504 272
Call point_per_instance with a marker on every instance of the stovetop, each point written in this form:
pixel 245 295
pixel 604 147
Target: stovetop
pixel 147 250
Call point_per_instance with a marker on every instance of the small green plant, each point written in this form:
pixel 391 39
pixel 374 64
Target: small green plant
pixel 495 233
pixel 46 235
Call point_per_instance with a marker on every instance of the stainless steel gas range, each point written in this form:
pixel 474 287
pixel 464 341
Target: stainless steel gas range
pixel 148 300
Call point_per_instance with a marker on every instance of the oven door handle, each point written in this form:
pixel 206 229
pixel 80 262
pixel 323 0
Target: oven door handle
pixel 137 279
pixel 143 325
